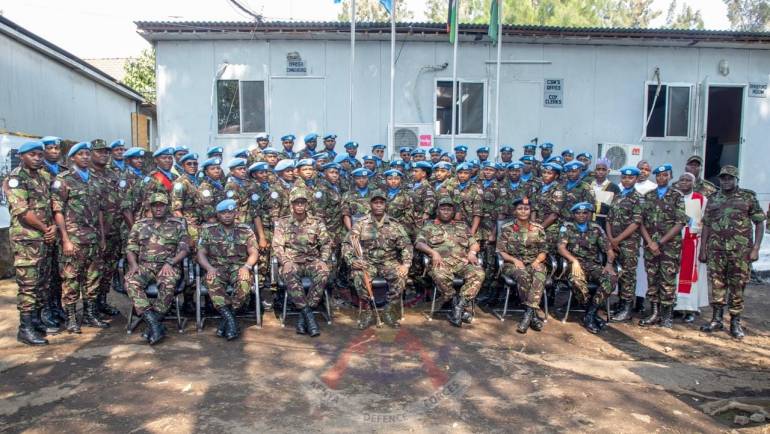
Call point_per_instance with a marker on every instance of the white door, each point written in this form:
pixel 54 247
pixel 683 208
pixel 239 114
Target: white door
pixel 297 107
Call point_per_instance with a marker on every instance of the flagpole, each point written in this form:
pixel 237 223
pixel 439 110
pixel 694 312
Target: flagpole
pixel 352 64
pixel 391 125
pixel 497 75
pixel 455 99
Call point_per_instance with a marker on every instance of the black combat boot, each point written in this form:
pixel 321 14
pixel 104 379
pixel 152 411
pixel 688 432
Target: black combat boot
pixel 58 309
pixel 222 327
pixel 467 315
pixel 589 320
pixel 72 324
pixel 639 305
pixel 716 320
pixel 536 324
pixel 301 326
pixel 689 317
pixel 36 323
pixel 455 316
pixel 231 324
pixel 312 326
pixel 27 333
pixel 667 316
pixel 654 316
pixel 365 317
pixel 526 320
pixel 104 307
pixel 390 317
pixel 155 330
pixel 90 317
pixel 736 330
pixel 49 320
pixel 623 313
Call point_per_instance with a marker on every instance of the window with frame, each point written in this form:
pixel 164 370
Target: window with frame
pixel 669 114
pixel 240 106
pixel 470 108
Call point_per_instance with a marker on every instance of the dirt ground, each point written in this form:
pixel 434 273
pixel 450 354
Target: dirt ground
pixel 427 377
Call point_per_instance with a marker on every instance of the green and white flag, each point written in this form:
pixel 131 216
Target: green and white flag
pixel 494 21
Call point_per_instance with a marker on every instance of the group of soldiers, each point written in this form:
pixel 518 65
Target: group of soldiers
pixel 339 220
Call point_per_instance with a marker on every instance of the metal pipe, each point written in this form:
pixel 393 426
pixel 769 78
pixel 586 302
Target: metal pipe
pixel 497 76
pixel 352 64
pixel 391 125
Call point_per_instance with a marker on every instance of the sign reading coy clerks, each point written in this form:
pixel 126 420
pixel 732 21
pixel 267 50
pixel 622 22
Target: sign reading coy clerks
pixel 554 92
pixel 758 90
pixel 294 64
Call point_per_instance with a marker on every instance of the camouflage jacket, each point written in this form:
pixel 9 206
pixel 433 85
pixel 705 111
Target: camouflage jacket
pixel 517 190
pixel 80 204
pixel 156 242
pixel 155 182
pixel 329 208
pixel 451 240
pixel 729 218
pixel 382 243
pixel 211 193
pixel 258 203
pixel 523 243
pixel 705 188
pixel 624 211
pixel 186 199
pixel 111 198
pixel 468 200
pixel 585 246
pixel 226 246
pixel 423 200
pixel 581 192
pixel 256 155
pixel 277 202
pixel 249 202
pixel 300 242
pixel 400 208
pixel 354 205
pixel 660 215
pixel 130 185
pixel 494 198
pixel 548 200
pixel 28 191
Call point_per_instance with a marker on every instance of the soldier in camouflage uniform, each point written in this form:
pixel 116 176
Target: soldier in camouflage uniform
pixel 156 247
pixel 211 189
pixel 303 248
pixel 287 152
pixel 117 159
pixel 257 155
pixel 330 142
pixel 702 186
pixel 260 186
pixel 329 209
pixel 575 189
pixel 160 180
pixel 536 166
pixel 441 173
pixel 493 200
pixel 355 203
pixel 276 204
pixel 33 235
pixel 423 196
pixel 379 246
pixel 622 225
pixel 77 208
pixel 227 251
pixel 377 180
pixel 240 188
pixel 311 143
pixel 453 251
pixel 586 174
pixel 663 218
pixel 548 203
pixel 307 179
pixel 516 187
pixel 131 187
pixel 521 244
pixel 186 203
pixel 400 204
pixel 467 196
pixel 729 247
pixel 582 242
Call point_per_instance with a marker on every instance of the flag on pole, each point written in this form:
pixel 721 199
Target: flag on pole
pixel 494 21
pixel 388 5
pixel 451 24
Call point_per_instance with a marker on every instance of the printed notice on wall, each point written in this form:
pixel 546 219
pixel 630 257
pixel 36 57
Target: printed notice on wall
pixel 554 92
pixel 758 90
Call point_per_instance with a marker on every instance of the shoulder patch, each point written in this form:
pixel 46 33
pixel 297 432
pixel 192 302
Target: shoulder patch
pixel 318 195
pixel 558 194
pixel 14 182
pixel 274 195
pixel 206 193
pixel 122 183
pixel 563 229
pixel 254 197
pixel 230 193
pixel 56 184
pixel 178 186
pixel 146 179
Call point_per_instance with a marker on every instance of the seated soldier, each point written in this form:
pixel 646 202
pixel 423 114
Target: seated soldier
pixel 227 251
pixel 453 251
pixel 378 246
pixel 156 246
pixel 303 248
pixel 521 244
pixel 582 242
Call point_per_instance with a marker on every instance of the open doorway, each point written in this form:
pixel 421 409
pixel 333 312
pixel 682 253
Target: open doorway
pixel 723 130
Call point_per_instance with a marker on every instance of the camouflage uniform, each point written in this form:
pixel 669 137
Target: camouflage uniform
pixel 354 205
pixel 153 244
pixel 468 200
pixel 109 185
pixel 276 204
pixel 262 191
pixel 524 244
pixel 186 199
pixel 452 241
pixel 80 203
pixel 518 190
pixel 423 201
pixel 624 211
pixel 658 217
pixel 729 218
pixel 385 245
pixel 400 209
pixel 155 182
pixel 549 200
pixel 303 249
pixel 30 191
pixel 587 247
pixel 580 192
pixel 494 197
pixel 242 192
pixel 54 286
pixel 211 193
pixel 705 188
pixel 227 251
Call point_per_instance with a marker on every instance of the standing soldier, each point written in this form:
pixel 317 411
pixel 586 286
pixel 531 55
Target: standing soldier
pixel 351 148
pixel 179 152
pixel 186 203
pixel 435 155
pixel 257 154
pixel 623 221
pixel 237 188
pixel 303 248
pixel 211 189
pixel 546 150
pixel 355 203
pixel 378 246
pixel 729 247
pixel 586 175
pixel 423 196
pixel 575 189
pixel 155 249
pixel 117 156
pixel 53 165
pixel 227 251
pixel 311 143
pixel 441 173
pixel 130 188
pixel 529 172
pixel 548 204
pixel 276 204
pixel 701 186
pixel 529 151
pixel 453 251
pixel 483 154
pixel 33 235
pixel 663 218
pixel 400 205
pixel 518 188
pixel 467 196
pixel 287 153
pixel 581 242
pixel 493 199
pixel 378 151
pixel 215 152
pixel 506 154
pixel 77 208
pixel 260 186
pixel 461 151
pixel 160 180
pixel 521 244
pixel 330 142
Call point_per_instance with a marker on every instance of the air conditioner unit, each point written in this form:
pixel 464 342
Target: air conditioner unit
pixel 621 155
pixel 413 135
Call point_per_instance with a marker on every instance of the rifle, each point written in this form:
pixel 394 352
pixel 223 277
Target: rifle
pixel 367 279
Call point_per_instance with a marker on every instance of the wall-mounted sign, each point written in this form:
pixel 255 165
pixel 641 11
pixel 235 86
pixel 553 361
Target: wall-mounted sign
pixel 294 64
pixel 758 90
pixel 553 92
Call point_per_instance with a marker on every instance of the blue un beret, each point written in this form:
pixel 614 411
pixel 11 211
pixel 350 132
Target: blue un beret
pixel 340 158
pixel 269 151
pixel 51 140
pixel 417 152
pixel 585 154
pixel 506 149
pixel 310 137
pixel 210 162
pixel 546 146
pixel 215 150
pixel 442 165
pixel 117 143
pixel 321 155
pixel 422 165
pixel 328 166
pixel 283 165
pixel 368 158
pixel 393 172
pixel 555 159
pixel 189 156
pixel 530 146
pixel 483 149
pixel 434 151
pixel 582 206
pixel 464 166
pixel 330 137
pixel 398 162
pixel 500 166
pixel 461 148
pixel 226 205
pixel 242 153
pixel 486 164
pixel 553 166
pixel 134 152
pixel 526 158
pixel 663 168
pixel 515 165
pixel 166 150
pixel 181 148
pixel 259 166
pixel 361 172
pixel 630 171
pixel 30 146
pixel 350 145
pixel 305 162
pixel 573 165
pixel 378 146
pixel 78 147
pixel 236 162
pixel 288 137
pixel 567 152
pixel 403 149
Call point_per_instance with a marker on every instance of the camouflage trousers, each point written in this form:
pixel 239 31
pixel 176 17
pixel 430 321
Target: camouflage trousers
pixel 443 275
pixel 52 290
pixel 263 263
pixel 33 267
pixel 228 276
pixel 110 257
pixel 662 271
pixel 80 273
pixel 292 274
pixel 386 271
pixel 592 272
pixel 530 283
pixel 628 258
pixel 136 284
pixel 729 272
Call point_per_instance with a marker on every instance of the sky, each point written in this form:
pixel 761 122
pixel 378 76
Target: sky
pixel 105 28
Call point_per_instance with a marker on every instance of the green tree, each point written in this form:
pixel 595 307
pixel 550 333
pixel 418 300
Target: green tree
pixel 373 11
pixel 686 18
pixel 749 15
pixel 636 14
pixel 140 74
